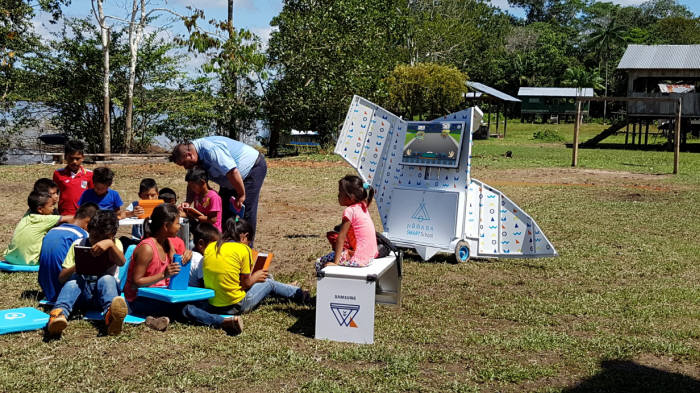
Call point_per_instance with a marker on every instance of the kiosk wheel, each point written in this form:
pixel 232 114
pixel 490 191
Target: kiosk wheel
pixel 462 252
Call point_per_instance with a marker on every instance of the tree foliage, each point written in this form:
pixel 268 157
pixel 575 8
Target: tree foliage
pixel 425 90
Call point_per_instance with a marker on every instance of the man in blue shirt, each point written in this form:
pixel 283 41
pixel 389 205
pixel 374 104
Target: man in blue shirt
pixel 55 246
pixel 237 168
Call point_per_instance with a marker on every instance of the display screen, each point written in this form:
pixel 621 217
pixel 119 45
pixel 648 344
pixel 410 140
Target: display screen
pixel 433 143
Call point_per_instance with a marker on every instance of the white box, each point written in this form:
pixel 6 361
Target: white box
pixel 345 299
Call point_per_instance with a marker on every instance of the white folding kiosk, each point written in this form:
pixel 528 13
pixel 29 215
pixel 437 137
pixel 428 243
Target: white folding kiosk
pixel 426 197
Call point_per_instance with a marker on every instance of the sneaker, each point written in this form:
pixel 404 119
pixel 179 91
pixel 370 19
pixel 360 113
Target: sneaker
pixel 233 326
pixel 114 319
pixel 160 324
pixel 57 322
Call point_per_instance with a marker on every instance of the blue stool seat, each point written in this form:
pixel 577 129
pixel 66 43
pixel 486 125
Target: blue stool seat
pixel 191 294
pixel 22 319
pixel 98 316
pixel 6 267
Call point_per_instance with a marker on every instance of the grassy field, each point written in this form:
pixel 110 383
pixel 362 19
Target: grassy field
pixel 619 310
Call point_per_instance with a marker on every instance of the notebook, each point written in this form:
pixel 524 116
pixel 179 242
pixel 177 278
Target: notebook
pixel 89 265
pixel 261 261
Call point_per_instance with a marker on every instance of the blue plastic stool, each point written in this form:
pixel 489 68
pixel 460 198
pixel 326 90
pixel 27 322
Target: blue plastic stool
pixel 6 267
pixel 98 316
pixel 22 319
pixel 191 294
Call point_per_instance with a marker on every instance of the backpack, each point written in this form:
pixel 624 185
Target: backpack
pixel 385 246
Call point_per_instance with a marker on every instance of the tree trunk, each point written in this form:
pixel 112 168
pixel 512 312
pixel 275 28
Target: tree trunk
pixel 135 34
pixel 272 147
pixel 106 132
pixel 605 103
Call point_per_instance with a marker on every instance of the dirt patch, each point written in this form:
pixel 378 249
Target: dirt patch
pixel 572 177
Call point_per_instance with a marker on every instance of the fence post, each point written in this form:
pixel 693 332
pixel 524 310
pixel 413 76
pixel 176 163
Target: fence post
pixel 677 138
pixel 577 126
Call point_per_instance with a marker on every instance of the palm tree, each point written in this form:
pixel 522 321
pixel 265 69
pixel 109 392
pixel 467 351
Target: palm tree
pixel 606 36
pixel 579 77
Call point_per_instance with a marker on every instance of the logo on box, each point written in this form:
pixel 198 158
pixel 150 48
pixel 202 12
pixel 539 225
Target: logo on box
pixel 345 313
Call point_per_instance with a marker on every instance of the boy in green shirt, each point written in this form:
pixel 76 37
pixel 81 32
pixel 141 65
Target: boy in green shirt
pixel 25 246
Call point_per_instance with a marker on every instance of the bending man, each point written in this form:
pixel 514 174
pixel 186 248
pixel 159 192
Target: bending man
pixel 237 168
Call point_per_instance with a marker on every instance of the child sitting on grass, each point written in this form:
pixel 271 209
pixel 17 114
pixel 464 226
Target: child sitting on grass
pixel 356 242
pixel 204 233
pixel 101 194
pixel 148 190
pixel 55 246
pixel 204 199
pixel 227 270
pixel 50 187
pixel 152 266
pixel 99 291
pixel 25 245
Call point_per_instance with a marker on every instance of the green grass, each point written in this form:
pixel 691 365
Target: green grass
pixel 624 289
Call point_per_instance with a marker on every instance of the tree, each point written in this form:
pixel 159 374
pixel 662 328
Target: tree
pixel 425 90
pixel 104 34
pixel 18 42
pixel 559 11
pixel 579 77
pixel 236 59
pixel 677 31
pixel 321 56
pixel 606 36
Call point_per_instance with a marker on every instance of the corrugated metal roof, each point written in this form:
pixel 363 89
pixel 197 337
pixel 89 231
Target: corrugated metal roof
pixel 555 92
pixel 673 57
pixel 491 91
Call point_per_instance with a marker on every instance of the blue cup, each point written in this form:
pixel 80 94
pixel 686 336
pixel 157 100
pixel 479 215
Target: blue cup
pixel 182 278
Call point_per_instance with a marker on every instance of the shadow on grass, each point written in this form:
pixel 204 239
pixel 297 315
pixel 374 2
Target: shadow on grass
pixel 628 376
pixel 300 236
pixel 306 320
pixel 32 294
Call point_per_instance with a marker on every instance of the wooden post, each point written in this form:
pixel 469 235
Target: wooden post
pixel 505 119
pixel 498 119
pixel 627 133
pixel 646 133
pixel 677 138
pixel 634 132
pixel 577 126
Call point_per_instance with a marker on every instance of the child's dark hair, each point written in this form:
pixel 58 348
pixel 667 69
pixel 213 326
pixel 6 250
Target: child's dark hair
pixel 147 184
pixel 73 146
pixel 103 175
pixel 197 175
pixel 37 199
pixel 353 187
pixel 168 195
pixel 87 209
pixel 205 231
pixel 44 184
pixel 104 222
pixel 233 229
pixel 162 214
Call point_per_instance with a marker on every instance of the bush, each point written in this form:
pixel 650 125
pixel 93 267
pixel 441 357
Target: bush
pixel 547 136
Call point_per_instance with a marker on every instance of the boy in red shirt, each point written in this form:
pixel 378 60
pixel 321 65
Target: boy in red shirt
pixel 73 179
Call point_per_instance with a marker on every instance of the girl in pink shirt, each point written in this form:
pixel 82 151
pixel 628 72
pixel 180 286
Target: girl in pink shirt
pixel 356 242
pixel 205 200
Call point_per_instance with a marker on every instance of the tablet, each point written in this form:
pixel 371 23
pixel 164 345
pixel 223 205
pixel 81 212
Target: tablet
pixel 262 261
pixel 148 205
pixel 89 265
pixel 192 211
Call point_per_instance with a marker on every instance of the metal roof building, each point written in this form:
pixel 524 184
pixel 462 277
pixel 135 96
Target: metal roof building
pixel 661 57
pixel 500 100
pixel 662 71
pixel 571 92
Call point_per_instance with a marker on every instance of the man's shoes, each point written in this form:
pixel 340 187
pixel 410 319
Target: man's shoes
pixel 57 322
pixel 160 324
pixel 114 319
pixel 306 298
pixel 233 326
